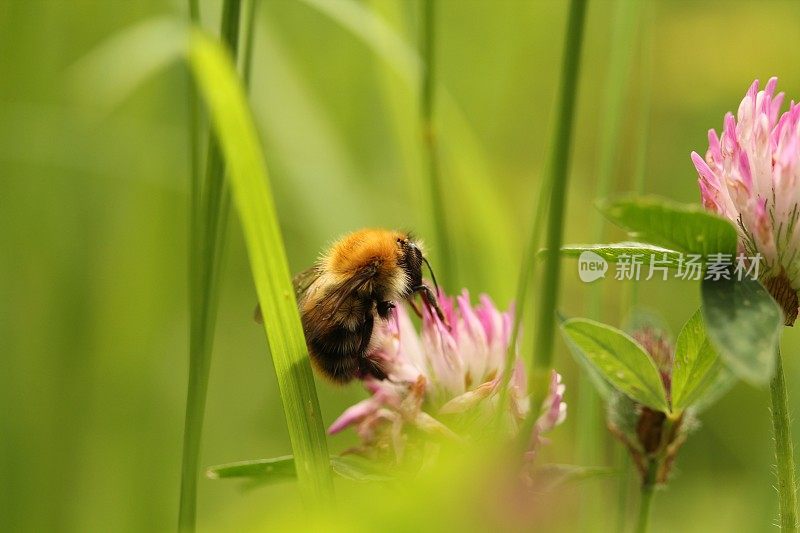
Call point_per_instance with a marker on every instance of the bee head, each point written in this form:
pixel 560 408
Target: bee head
pixel 410 261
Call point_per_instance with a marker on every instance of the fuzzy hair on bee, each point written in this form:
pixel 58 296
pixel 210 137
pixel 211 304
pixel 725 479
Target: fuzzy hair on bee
pixel 353 285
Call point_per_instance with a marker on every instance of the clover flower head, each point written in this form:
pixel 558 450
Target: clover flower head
pixel 751 175
pixel 445 381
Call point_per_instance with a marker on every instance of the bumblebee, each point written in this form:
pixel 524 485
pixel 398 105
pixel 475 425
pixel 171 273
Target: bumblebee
pixel 353 285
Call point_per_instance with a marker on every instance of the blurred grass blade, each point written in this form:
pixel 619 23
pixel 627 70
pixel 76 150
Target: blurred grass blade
pixel 285 97
pixel 100 77
pixel 620 360
pixel 281 469
pixel 553 476
pixel 590 428
pixel 472 187
pixel 231 119
pixel 209 210
pixel 373 30
pixel 561 147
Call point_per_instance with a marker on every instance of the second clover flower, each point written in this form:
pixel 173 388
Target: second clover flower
pixel 750 176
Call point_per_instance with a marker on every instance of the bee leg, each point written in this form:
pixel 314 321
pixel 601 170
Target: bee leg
pixel 414 306
pixel 430 300
pixel 367 366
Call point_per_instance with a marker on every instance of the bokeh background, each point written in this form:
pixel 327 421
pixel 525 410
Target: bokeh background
pixel 93 236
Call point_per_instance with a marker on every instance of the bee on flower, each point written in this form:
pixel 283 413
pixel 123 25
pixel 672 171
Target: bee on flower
pixel 444 382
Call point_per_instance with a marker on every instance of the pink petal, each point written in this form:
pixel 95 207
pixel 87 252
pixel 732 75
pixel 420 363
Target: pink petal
pixel 469 399
pixel 353 415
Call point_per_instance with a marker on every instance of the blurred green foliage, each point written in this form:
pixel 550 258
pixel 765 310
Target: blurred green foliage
pixel 93 233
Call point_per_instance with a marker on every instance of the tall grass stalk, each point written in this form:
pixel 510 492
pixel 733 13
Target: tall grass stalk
pixel 429 134
pixel 645 90
pixel 784 449
pixel 208 222
pixel 195 177
pixel 623 460
pixel 246 64
pixel 233 124
pixel 559 170
pixel 590 428
pixel 525 279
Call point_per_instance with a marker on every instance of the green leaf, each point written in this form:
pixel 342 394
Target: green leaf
pixel 604 389
pixel 744 324
pixel 232 121
pixel 614 251
pixel 697 368
pixel 724 381
pixel 620 360
pixel 681 227
pixel 271 470
pixel 279 469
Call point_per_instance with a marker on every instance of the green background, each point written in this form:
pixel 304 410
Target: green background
pixel 93 240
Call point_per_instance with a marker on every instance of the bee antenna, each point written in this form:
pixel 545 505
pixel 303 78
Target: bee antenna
pixel 433 276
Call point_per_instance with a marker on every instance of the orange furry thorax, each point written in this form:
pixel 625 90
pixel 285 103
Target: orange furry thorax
pixel 363 247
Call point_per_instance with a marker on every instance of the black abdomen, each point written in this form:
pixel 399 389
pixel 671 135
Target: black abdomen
pixel 341 353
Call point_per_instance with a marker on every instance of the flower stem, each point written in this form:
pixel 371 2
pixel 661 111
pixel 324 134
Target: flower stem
pixel 646 501
pixel 559 167
pixel 427 103
pixel 209 214
pixel 622 460
pixel 784 451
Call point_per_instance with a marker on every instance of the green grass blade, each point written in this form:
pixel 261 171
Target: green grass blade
pixel 278 469
pixel 272 470
pixel 208 224
pixel 430 141
pixel 233 124
pixel 559 167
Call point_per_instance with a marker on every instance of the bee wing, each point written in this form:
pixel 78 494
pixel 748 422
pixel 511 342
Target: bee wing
pixel 301 282
pixel 336 297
